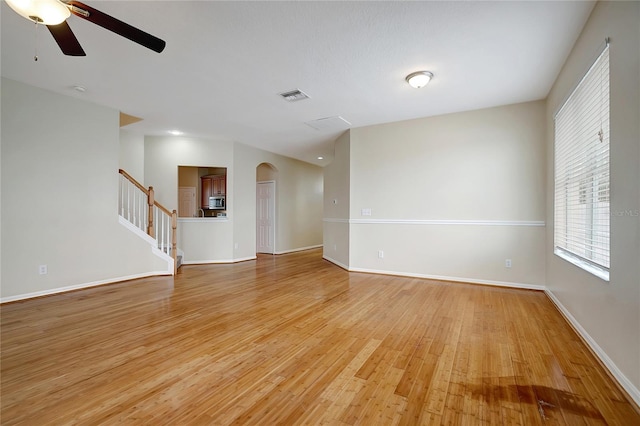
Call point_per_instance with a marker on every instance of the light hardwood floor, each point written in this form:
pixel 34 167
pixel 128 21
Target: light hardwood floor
pixel 293 339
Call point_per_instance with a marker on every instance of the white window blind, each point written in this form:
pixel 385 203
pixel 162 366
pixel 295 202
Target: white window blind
pixel 581 219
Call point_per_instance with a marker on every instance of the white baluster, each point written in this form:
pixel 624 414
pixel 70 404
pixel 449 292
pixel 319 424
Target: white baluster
pixel 158 224
pixel 141 197
pixel 134 203
pixel 168 238
pixel 129 202
pixel 120 195
pixel 163 225
pixel 141 202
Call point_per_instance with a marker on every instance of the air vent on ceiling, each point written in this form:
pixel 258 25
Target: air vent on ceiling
pixel 294 95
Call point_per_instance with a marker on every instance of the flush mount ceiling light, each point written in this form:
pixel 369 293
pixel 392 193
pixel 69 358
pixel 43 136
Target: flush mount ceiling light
pixel 419 79
pixel 47 12
pixel 175 132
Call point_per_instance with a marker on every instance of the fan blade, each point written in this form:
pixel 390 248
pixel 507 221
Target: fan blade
pixel 66 39
pixel 115 25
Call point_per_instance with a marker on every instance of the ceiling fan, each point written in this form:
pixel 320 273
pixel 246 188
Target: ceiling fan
pixel 54 14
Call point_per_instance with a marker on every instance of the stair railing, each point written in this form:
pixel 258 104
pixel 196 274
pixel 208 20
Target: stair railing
pixel 137 204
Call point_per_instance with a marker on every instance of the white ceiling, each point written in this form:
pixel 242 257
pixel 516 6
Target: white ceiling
pixel 225 63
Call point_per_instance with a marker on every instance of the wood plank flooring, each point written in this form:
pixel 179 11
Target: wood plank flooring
pixel 293 339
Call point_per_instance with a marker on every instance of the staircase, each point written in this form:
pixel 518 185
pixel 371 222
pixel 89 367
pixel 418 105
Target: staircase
pixel 138 207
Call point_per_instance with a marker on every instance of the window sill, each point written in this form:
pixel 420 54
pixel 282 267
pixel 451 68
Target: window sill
pixel 599 272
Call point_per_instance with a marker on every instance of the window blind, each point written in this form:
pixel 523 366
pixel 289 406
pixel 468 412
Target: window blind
pixel 581 208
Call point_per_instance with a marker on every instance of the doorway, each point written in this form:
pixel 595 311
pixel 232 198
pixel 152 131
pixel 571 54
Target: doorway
pixel 265 217
pixel 186 201
pixel 266 176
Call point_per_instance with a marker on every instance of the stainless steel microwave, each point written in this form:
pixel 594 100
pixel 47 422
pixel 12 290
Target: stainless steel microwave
pixel 216 203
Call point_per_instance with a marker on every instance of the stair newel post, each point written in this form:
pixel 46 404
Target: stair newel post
pixel 151 201
pixel 174 242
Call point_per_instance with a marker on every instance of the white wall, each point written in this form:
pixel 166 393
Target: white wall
pixel 200 242
pixel 131 154
pixel 298 192
pixel 608 313
pixel 452 196
pixel 163 155
pixel 60 196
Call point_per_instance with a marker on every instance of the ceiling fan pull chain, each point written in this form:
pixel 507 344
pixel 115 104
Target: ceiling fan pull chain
pixel 35 56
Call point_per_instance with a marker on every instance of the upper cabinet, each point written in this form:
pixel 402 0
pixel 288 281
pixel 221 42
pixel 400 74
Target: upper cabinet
pixel 219 185
pixel 212 186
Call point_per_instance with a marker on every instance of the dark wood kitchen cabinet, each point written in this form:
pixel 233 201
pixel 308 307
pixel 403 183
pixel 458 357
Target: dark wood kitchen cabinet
pixel 212 185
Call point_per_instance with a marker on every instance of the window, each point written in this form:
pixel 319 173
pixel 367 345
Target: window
pixel 581 208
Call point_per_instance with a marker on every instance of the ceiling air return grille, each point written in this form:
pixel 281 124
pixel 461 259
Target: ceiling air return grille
pixel 329 123
pixel 294 95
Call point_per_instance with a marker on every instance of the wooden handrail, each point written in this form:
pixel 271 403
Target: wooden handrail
pixel 151 203
pixel 164 209
pixel 133 181
pixel 149 192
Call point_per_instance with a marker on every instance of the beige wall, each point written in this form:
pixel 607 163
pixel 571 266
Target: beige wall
pixel 188 176
pixel 607 313
pixel 480 165
pixel 131 154
pixel 299 190
pixel 451 197
pixel 60 196
pixel 336 204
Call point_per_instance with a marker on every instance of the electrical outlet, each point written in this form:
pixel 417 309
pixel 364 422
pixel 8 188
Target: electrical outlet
pixel 507 263
pixel 42 269
pixel 365 212
pixel 335 247
pixel 380 254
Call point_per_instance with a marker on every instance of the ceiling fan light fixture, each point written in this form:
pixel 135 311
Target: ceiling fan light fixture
pixel 47 12
pixel 419 79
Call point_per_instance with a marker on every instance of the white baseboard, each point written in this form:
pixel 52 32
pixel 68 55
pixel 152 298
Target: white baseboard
pixel 218 261
pixel 242 259
pixel 65 289
pixel 447 278
pixel 626 384
pixel 335 262
pixel 298 249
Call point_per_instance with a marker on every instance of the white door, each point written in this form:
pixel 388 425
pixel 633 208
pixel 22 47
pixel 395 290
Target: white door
pixel 265 217
pixel 186 201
